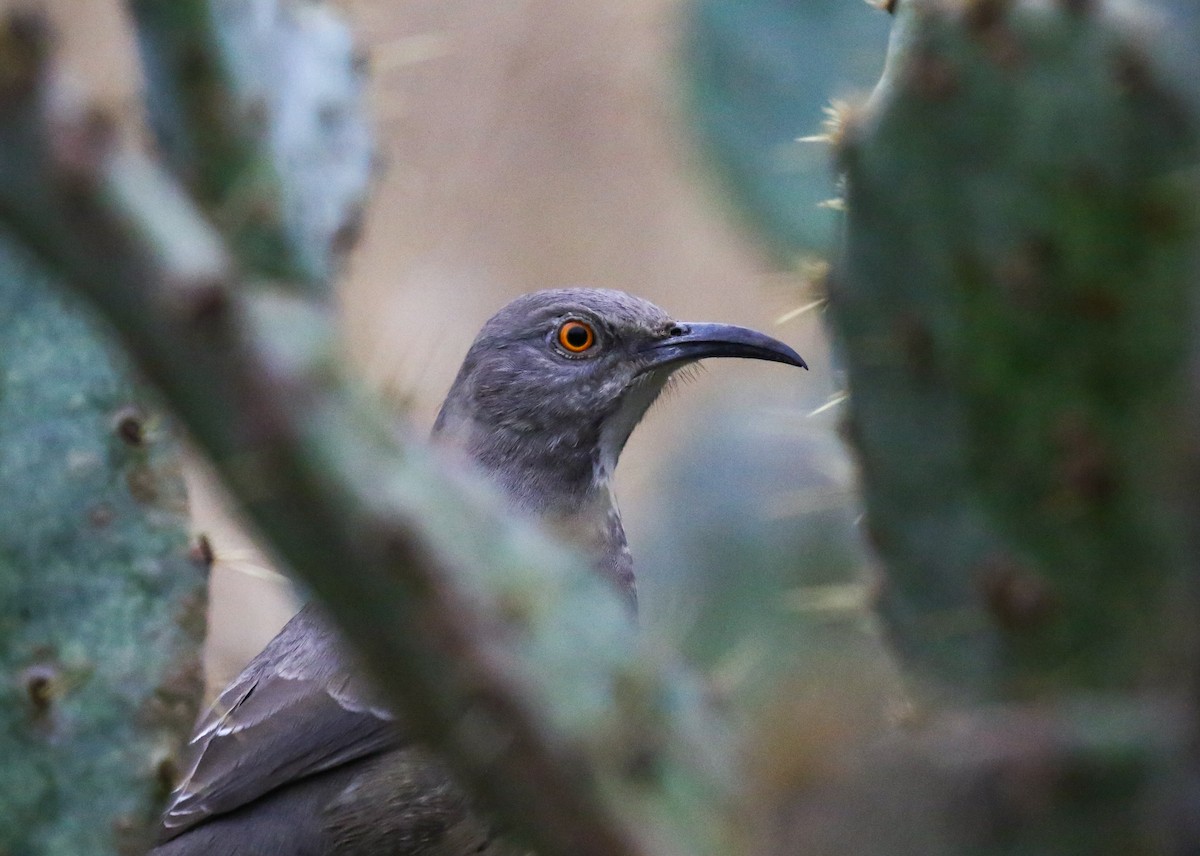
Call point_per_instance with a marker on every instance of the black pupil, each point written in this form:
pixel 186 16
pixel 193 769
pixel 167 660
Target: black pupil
pixel 577 336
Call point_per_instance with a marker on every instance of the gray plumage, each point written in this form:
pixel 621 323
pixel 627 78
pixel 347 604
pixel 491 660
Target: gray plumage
pixel 297 757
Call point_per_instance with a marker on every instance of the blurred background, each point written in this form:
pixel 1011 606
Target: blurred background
pixel 535 143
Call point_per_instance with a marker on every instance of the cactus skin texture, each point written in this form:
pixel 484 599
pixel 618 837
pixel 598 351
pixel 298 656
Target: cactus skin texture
pixel 1014 300
pixel 101 607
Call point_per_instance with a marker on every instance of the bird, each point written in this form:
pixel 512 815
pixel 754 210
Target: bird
pixel 298 756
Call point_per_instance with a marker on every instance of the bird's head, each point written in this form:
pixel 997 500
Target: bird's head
pixel 556 381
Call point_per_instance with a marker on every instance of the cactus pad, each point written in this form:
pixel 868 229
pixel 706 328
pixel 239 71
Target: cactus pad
pixel 101 608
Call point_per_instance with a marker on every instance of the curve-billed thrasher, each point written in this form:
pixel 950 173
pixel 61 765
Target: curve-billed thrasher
pixel 294 759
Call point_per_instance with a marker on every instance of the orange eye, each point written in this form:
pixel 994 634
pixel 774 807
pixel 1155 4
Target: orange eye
pixel 576 336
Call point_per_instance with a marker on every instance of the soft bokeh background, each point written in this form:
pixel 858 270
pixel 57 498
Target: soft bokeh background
pixel 536 143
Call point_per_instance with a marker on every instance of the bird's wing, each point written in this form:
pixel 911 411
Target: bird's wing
pixel 293 712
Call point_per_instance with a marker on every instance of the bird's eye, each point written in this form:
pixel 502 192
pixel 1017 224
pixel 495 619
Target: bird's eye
pixel 576 336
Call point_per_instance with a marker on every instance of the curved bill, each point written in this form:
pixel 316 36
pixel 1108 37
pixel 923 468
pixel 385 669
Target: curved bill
pixel 701 341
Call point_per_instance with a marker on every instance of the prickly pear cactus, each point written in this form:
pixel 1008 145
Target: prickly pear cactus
pixel 1015 300
pixel 101 607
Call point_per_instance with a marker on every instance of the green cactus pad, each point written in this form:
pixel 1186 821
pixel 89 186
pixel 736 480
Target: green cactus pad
pixel 101 608
pixel 1015 302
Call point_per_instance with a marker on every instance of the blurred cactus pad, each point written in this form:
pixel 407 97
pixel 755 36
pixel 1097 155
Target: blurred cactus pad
pixel 761 74
pixel 101 608
pixel 770 495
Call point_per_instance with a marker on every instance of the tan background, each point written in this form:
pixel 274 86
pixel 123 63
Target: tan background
pixel 526 144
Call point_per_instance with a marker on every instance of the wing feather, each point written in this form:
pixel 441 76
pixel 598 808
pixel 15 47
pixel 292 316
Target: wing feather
pixel 293 712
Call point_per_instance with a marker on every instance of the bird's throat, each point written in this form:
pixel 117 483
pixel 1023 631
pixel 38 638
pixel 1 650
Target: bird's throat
pixel 595 527
pixel 561 475
pixel 564 484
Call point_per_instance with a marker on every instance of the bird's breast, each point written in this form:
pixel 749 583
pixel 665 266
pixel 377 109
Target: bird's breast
pixel 595 527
